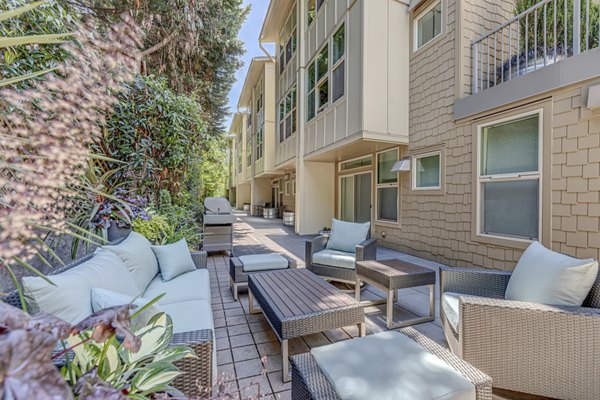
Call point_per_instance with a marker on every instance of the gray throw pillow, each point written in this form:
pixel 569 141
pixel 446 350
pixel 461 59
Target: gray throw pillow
pixel 174 259
pixel 345 236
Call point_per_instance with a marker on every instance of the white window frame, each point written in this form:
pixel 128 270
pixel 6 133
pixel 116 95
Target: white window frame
pixel 348 175
pixel 293 112
pixel 260 144
pixel 283 46
pixel 510 177
pixel 341 170
pixel 341 60
pixel 413 168
pixel 317 11
pixel 419 17
pixel 386 185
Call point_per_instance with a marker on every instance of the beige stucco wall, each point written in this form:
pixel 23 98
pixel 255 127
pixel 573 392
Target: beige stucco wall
pixel 440 225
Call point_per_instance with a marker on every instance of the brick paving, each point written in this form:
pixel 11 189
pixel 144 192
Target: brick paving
pixel 243 338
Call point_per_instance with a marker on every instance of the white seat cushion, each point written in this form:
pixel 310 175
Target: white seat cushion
pixel 136 252
pixel 547 277
pixel 70 296
pixel 193 285
pixel 263 262
pixel 190 315
pixel 174 259
pixel 389 366
pixel 335 258
pixel 345 236
pixel 104 298
pixel 451 306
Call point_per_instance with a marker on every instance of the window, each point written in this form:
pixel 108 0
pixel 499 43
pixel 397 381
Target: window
pixel 318 83
pixel 387 187
pixel 509 177
pixel 313 9
pixel 259 144
pixel 287 47
pixel 259 103
pixel 428 25
pixel 338 61
pixel 356 163
pixel 287 115
pixel 427 171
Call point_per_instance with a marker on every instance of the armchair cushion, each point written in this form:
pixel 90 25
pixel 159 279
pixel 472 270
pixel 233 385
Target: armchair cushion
pixel 174 259
pixel 345 236
pixel 104 298
pixel 547 277
pixel 335 258
pixel 193 285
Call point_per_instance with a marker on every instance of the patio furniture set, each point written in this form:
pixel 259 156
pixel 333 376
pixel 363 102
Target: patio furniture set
pixel 535 330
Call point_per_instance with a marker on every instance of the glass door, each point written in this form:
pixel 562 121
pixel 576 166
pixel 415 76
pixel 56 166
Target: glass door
pixel 355 197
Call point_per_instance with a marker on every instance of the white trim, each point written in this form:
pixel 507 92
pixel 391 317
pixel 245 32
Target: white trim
pixel 370 156
pixel 530 175
pixel 416 25
pixel 386 185
pixel 413 168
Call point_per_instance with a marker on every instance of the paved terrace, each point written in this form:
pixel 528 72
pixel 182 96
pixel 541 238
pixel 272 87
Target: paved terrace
pixel 243 338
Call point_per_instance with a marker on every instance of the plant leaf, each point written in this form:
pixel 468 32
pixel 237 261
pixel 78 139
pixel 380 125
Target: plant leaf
pixel 154 377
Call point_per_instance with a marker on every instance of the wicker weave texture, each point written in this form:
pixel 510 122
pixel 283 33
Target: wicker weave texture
pixel 309 383
pixel 197 372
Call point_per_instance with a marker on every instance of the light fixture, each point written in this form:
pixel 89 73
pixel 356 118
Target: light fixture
pixel 401 165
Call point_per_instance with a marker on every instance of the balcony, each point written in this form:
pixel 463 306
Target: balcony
pixel 557 41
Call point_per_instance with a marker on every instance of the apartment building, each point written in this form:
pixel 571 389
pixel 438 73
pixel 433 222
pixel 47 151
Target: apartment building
pixel 462 129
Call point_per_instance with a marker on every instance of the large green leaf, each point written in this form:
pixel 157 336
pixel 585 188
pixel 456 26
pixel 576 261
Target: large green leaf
pixel 55 38
pixel 155 337
pixel 4 15
pixel 154 377
pixel 17 79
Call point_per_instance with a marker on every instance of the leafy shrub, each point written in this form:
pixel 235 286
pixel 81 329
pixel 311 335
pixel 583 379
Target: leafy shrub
pixel 156 229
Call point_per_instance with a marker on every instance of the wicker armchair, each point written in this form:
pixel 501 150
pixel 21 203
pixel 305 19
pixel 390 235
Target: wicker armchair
pixel 367 250
pixel 196 371
pixel 545 350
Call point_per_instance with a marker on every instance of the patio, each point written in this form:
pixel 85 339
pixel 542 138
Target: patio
pixel 242 338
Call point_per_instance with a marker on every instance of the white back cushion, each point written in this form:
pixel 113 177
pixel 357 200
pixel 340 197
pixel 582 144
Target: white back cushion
pixel 174 259
pixel 70 296
pixel 345 236
pixel 104 298
pixel 547 277
pixel 136 252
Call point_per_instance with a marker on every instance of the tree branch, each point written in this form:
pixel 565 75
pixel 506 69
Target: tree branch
pixel 159 45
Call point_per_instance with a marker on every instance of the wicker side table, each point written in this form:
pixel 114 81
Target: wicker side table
pixel 391 275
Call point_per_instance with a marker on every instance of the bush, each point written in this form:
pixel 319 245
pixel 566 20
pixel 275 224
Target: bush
pixel 156 229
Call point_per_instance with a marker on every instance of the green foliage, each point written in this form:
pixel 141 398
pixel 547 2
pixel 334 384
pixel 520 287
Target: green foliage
pixel 156 132
pixel 30 38
pixel 142 373
pixel 156 229
pixel 529 31
pixel 213 168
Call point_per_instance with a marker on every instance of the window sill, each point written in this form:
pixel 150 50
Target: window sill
pixel 503 241
pixel 287 139
pixel 388 223
pixel 428 191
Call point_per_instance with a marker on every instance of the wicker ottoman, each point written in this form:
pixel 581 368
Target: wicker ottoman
pixel 403 369
pixel 241 267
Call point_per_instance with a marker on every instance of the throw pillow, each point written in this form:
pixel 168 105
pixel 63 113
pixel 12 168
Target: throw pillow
pixel 174 259
pixel 345 236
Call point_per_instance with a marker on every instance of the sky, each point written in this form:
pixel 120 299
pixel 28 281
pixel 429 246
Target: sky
pixel 249 34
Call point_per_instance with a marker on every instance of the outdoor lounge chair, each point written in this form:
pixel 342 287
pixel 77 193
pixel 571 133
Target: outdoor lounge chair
pixel 546 350
pixel 334 257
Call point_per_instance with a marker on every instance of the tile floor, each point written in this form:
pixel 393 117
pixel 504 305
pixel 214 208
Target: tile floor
pixel 243 338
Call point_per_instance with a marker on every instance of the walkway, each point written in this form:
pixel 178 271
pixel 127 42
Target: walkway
pixel 242 338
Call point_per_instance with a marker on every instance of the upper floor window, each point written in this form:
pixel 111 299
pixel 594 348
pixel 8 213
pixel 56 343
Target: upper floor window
pixel 509 174
pixel 259 103
pixel 287 47
pixel 259 144
pixel 338 55
pixel 287 115
pixel 318 83
pixel 313 9
pixel 428 25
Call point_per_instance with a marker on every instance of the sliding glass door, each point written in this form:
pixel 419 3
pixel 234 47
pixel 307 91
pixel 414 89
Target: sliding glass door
pixel 355 197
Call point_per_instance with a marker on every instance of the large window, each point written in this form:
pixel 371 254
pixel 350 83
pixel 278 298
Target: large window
pixel 338 54
pixel 427 171
pixel 287 115
pixel 259 144
pixel 509 177
pixel 287 47
pixel 312 9
pixel 387 186
pixel 428 25
pixel 318 84
pixel 249 139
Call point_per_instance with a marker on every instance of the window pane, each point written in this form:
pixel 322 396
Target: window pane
pixel 311 11
pixel 510 147
pixel 282 110
pixel 288 103
pixel 361 162
pixel 347 199
pixel 387 204
pixel 428 171
pixel 430 25
pixel 288 126
pixel 294 97
pixel 323 93
pixel 322 63
pixel 319 4
pixel 511 208
pixel 293 121
pixel 338 45
pixel 310 112
pixel 338 81
pixel 311 76
pixel 281 61
pixel 385 162
pixel 294 42
pixel 288 50
pixel 281 131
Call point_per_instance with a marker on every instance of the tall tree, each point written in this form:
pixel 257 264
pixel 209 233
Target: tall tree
pixel 194 43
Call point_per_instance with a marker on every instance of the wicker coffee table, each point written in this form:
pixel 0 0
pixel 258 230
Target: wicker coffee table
pixel 391 275
pixel 297 302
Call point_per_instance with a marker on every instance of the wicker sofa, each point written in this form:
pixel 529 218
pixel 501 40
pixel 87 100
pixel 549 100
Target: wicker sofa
pixel 187 300
pixel 551 351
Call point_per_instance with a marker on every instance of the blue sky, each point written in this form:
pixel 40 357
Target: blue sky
pixel 249 34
